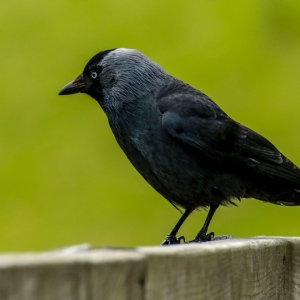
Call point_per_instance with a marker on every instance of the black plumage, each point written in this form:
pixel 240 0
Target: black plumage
pixel 182 142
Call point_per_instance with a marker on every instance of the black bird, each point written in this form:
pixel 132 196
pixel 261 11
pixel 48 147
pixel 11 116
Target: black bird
pixel 182 142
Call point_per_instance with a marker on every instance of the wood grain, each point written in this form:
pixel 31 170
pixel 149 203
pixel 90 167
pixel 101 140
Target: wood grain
pixel 255 268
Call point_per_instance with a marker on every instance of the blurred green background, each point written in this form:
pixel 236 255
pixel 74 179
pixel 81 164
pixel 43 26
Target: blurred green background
pixel 65 181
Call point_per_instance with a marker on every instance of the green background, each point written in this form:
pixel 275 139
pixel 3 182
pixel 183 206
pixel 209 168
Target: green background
pixel 63 178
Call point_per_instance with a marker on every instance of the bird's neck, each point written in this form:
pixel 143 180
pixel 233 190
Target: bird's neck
pixel 125 97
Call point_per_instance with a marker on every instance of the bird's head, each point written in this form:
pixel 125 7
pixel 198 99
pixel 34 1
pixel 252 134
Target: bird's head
pixel 115 76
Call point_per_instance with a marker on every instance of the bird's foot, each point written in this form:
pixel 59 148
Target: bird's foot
pixel 201 237
pixel 173 240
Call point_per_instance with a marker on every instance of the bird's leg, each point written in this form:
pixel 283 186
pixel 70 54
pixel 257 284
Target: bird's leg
pixel 202 236
pixel 171 237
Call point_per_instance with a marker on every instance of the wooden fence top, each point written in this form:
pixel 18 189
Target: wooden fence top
pixel 254 268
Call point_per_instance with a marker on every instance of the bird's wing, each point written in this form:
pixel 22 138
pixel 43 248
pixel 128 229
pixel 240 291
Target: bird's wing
pixel 197 122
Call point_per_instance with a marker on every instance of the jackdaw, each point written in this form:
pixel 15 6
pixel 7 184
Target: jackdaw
pixel 182 142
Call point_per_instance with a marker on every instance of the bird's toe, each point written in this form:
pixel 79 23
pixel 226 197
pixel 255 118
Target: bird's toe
pixel 173 240
pixel 200 238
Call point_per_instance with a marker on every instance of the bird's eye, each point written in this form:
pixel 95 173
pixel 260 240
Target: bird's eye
pixel 94 75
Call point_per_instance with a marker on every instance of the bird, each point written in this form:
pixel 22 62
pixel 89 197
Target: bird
pixel 181 142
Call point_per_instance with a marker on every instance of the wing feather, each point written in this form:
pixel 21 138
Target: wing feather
pixel 198 122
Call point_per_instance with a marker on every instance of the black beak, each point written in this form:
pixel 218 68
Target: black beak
pixel 79 85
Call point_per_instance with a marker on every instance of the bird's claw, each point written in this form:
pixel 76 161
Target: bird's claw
pixel 173 240
pixel 200 238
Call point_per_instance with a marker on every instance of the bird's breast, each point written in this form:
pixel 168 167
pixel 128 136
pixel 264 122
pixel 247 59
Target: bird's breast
pixel 160 159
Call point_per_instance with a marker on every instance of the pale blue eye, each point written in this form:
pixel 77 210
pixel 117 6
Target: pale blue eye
pixel 94 75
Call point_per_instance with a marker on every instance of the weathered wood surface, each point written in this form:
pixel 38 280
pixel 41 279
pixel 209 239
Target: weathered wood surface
pixel 256 268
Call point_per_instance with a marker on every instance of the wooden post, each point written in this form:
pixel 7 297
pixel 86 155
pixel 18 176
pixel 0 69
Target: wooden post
pixel 256 268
